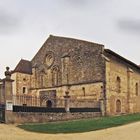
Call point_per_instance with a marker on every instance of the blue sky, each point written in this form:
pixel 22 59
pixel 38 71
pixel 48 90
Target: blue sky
pixel 26 24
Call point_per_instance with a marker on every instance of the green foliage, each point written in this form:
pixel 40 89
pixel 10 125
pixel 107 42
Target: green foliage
pixel 81 125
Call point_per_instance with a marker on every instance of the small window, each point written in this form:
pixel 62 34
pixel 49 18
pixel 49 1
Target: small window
pixel 136 89
pixel 24 79
pixel 118 84
pixel 24 90
pixel 83 88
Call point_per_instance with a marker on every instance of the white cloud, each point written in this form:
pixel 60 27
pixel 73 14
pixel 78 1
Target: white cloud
pixel 103 21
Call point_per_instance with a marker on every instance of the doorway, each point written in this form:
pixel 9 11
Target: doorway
pixel 118 106
pixel 49 104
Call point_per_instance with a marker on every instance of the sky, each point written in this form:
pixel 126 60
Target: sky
pixel 26 24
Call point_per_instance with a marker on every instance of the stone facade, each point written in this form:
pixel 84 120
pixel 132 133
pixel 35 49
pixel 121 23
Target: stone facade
pixel 122 85
pixel 63 64
pixel 84 69
pixel 22 84
pixel 63 61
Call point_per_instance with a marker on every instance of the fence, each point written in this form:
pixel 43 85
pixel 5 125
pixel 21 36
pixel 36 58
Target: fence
pixel 37 109
pixel 46 107
pixel 2 112
pixel 52 110
pixel 57 102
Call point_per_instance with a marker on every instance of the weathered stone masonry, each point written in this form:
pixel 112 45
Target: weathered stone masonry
pixel 63 64
pixel 85 70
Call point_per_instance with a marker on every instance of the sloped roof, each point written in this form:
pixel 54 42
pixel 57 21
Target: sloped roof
pixel 69 38
pixel 128 62
pixel 24 66
pixel 65 40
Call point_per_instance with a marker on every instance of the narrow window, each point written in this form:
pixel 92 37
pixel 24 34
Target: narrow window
pixel 41 80
pixel 118 85
pixel 136 89
pixel 24 90
pixel 65 69
pixel 84 93
pixel 55 76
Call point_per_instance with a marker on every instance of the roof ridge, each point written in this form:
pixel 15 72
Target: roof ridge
pixel 55 36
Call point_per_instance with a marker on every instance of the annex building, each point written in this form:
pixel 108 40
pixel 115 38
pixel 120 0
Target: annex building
pixel 84 70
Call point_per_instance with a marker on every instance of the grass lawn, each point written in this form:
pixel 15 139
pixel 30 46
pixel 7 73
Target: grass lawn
pixel 81 125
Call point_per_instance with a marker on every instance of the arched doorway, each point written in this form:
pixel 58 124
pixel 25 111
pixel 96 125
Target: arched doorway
pixel 118 106
pixel 49 103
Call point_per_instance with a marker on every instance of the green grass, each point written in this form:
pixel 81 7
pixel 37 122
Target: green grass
pixel 81 125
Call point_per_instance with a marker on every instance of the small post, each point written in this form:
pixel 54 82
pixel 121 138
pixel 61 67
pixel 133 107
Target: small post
pixel 67 100
pixel 102 102
pixel 102 107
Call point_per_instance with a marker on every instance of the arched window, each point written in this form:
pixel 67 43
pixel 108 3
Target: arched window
pixel 136 89
pixel 118 106
pixel 118 84
pixel 42 78
pixel 65 69
pixel 49 59
pixel 55 76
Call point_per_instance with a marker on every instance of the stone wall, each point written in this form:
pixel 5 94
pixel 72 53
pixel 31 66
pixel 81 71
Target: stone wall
pixel 21 81
pixel 22 117
pixel 82 90
pixel 85 92
pixel 127 94
pixel 63 61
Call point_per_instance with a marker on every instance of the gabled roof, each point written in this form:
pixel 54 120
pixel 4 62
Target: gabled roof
pixel 72 39
pixel 53 38
pixel 24 66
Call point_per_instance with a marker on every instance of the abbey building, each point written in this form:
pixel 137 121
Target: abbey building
pixel 85 70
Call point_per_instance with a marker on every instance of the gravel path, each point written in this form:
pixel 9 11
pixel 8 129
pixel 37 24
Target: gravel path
pixel 126 132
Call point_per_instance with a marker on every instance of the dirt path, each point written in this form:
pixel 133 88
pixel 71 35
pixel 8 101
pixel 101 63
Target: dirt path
pixel 126 132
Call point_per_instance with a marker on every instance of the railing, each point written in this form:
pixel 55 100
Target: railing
pixel 26 103
pixel 37 109
pixel 52 110
pixel 28 100
pixel 57 102
pixel 2 113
